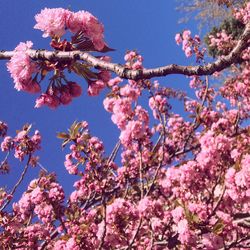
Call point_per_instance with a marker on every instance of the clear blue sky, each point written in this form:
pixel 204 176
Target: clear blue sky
pixel 146 25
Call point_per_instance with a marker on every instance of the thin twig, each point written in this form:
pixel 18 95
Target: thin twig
pixel 135 235
pixel 160 163
pixel 140 172
pixel 114 152
pixel 52 236
pixel 42 167
pixel 195 124
pixel 157 143
pixel 105 224
pixel 217 203
pixel 16 185
pixel 5 159
pixel 152 237
pixel 126 191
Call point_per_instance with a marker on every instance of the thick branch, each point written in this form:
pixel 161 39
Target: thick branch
pixel 233 57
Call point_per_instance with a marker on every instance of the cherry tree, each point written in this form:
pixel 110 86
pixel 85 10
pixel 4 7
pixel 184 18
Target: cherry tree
pixel 171 182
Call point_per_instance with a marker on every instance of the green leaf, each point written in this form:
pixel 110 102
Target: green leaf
pixel 218 227
pixel 62 135
pixel 74 129
pixel 71 129
pixel 89 74
pixel 81 42
pixel 84 71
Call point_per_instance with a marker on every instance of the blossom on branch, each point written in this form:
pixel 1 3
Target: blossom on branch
pixel 21 68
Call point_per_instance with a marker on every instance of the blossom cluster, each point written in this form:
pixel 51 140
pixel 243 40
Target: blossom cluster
pixel 243 14
pixel 22 143
pixel 236 89
pixel 190 45
pixel 87 36
pixel 56 95
pixel 95 86
pixel 55 22
pixel 133 123
pixel 21 68
pixel 222 41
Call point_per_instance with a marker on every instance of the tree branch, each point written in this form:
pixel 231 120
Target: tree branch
pixel 223 62
pixel 242 219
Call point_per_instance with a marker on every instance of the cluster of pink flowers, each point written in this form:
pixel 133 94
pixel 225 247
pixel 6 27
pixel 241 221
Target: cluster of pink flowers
pixel 117 213
pixel 83 141
pixel 132 123
pixel 55 22
pixel 158 104
pixel 180 210
pixel 88 35
pixel 87 160
pixel 190 45
pixel 22 144
pixel 222 41
pixel 21 68
pixel 56 95
pixel 243 14
pixel 133 60
pixel 186 181
pixel 44 197
pixel 237 183
pixel 96 86
pixel 3 129
pixel 122 111
pixel 65 245
pixel 179 129
pixel 52 21
pixel 237 89
pixel 136 129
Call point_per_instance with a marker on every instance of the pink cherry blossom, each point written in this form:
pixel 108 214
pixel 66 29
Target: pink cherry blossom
pixel 186 34
pixel 178 39
pixel 21 68
pixel 52 21
pixel 95 87
pixel 49 100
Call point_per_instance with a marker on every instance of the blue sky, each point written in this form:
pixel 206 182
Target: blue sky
pixel 146 25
